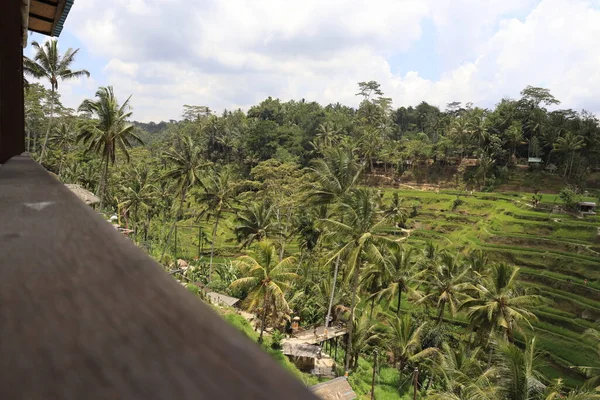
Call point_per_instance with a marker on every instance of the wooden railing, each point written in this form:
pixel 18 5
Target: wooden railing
pixel 85 314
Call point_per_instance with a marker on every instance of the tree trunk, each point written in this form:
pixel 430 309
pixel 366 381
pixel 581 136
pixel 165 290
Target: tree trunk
pixel 264 317
pixel 103 178
pixel 50 127
pixel 212 246
pixel 352 307
pixel 399 301
pixel 335 274
pixel 372 307
pixel 441 313
pixel 173 226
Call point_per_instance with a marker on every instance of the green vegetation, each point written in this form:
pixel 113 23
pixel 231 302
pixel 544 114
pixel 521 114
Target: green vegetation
pixel 421 230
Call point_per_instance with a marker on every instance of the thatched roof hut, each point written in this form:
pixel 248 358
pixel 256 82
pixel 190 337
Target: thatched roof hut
pixel 84 195
pixel 335 389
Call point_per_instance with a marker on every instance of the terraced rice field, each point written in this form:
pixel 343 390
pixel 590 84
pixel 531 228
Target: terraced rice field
pixel 559 255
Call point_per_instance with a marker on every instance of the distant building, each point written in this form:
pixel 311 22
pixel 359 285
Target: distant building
pixel 335 389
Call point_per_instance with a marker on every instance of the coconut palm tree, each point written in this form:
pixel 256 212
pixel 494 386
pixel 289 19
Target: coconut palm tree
pixel 569 144
pixel 217 195
pixel 266 279
pixel 519 376
pixel 403 340
pixel 49 64
pixel 356 237
pixel 448 284
pixel 464 375
pixel 138 193
pixel 187 164
pixel 593 373
pixel 402 274
pixel 366 336
pixel 63 138
pixel 499 304
pixel 333 176
pixel 396 212
pixel 109 133
pixel 254 223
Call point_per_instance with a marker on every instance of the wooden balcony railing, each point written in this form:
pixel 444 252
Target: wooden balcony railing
pixel 84 314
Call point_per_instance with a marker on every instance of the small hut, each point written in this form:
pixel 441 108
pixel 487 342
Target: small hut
pixel 335 389
pixel 221 299
pixel 303 355
pixel 587 207
pixel 84 195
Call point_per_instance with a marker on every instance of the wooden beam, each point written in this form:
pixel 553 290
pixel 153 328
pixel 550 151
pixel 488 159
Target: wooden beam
pixel 85 314
pixel 12 129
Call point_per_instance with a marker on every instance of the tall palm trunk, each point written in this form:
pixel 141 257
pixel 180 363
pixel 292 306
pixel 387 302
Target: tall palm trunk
pixel 352 307
pixel 179 213
pixel 103 178
pixel 212 245
pixel 335 274
pixel 48 131
pixel 441 313
pixel 264 317
pixel 399 301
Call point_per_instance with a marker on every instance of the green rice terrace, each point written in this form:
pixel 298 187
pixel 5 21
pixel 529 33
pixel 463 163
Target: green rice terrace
pixel 558 253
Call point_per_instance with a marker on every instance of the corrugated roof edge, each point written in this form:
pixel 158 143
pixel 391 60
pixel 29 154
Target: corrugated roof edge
pixel 59 25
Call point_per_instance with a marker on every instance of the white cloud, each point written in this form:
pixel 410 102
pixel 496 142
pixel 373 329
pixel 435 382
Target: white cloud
pixel 228 54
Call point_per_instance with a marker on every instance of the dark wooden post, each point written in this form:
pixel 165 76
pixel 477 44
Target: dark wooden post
pixel 12 114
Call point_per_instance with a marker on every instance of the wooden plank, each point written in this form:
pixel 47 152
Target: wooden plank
pixel 43 9
pixel 86 315
pixel 12 117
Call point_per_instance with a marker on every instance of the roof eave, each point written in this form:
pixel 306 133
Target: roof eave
pixel 58 26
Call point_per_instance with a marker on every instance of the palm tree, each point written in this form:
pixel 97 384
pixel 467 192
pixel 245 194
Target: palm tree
pixel 461 130
pixel 328 134
pixel 396 212
pixel 593 373
pixel 217 195
pixel 361 217
pixel 63 138
pixel 449 284
pixel 404 341
pixel 333 177
pixel 138 193
pixel 108 133
pixel 366 336
pixel 49 64
pixel 556 389
pixel 478 126
pixel 255 222
pixel 266 279
pixel 402 274
pixel 186 166
pixel 569 144
pixel 464 376
pixel 519 377
pixel 499 304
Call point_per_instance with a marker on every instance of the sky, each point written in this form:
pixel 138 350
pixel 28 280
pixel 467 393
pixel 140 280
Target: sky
pixel 229 54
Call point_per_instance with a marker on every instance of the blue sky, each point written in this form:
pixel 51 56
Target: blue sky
pixel 230 54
